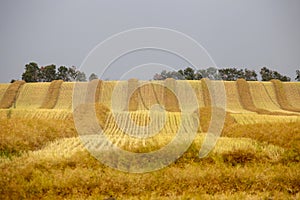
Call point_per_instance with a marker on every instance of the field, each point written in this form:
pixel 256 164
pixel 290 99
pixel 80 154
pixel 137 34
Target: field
pixel 42 156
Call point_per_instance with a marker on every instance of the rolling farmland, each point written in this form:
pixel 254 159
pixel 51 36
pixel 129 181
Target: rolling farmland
pixel 257 155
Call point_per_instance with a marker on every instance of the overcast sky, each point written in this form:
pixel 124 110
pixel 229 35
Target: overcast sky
pixel 250 34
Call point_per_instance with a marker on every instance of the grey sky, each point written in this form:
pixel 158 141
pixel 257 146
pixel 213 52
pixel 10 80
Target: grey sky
pixel 248 34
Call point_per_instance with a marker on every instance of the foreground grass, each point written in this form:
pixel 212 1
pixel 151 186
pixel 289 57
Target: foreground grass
pixel 44 160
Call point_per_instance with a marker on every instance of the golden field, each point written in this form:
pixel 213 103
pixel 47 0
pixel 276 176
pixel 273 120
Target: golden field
pixel 256 157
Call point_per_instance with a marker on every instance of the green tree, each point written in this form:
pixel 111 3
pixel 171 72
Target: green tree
pixel 93 76
pixel 80 76
pixel 211 73
pixel 250 75
pixel 297 75
pixel 47 73
pixel 267 75
pixel 62 73
pixel 231 74
pixel 31 73
pixel 188 73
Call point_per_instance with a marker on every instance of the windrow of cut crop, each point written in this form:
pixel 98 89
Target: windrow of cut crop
pixel 3 88
pixel 149 94
pixel 247 100
pixel 11 94
pixel 264 98
pixel 292 91
pixel 281 96
pixel 94 89
pixel 206 93
pixel 133 97
pixel 52 95
pixel 32 95
pixel 170 98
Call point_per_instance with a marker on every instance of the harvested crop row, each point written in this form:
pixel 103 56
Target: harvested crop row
pixel 32 95
pixel 64 99
pixel 170 100
pixel 107 92
pixel 197 86
pixel 11 94
pixel 248 118
pixel 292 91
pixel 281 97
pixel 3 88
pixel 133 97
pixel 233 103
pixel 247 100
pixel 149 94
pixel 52 95
pixel 93 93
pixel 262 99
pixel 35 114
pixel 206 93
pixel 137 124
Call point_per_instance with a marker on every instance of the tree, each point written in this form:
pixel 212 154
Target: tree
pixel 31 73
pixel 250 75
pixel 47 73
pixel 62 73
pixel 231 74
pixel 297 75
pixel 188 73
pixel 72 73
pixel 267 75
pixel 80 76
pixel 168 74
pixel 211 73
pixel 93 76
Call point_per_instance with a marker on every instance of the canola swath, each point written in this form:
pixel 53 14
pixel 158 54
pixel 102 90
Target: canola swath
pixel 292 91
pixel 262 99
pixel 32 95
pixel 233 103
pixel 3 88
pixel 64 100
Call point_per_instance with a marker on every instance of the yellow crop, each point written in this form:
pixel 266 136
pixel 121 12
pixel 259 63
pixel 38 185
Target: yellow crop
pixel 52 94
pixel 11 94
pixel 248 118
pixel 32 95
pixel 282 97
pixel 292 91
pixel 64 99
pixel 233 103
pixel 3 88
pixel 262 98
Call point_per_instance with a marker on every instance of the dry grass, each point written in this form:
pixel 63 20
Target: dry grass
pixel 254 118
pixel 21 134
pixel 32 95
pixel 11 94
pixel 52 95
pixel 39 160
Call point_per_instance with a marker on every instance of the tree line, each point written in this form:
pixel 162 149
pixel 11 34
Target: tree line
pixel 35 73
pixel 227 74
